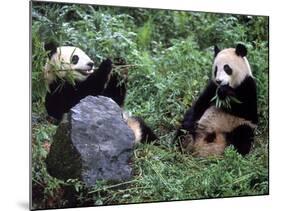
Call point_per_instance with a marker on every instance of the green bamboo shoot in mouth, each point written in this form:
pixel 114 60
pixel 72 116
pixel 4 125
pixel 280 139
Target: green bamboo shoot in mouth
pixel 225 103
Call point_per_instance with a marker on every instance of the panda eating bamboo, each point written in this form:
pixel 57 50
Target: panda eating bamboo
pixel 208 127
pixel 68 64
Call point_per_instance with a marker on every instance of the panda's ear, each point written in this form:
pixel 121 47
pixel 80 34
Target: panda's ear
pixel 216 50
pixel 241 50
pixel 51 47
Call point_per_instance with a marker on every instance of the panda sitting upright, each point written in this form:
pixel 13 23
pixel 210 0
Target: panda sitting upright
pixel 72 62
pixel 207 129
pixel 68 63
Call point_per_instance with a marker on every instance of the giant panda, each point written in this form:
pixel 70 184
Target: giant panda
pixel 207 129
pixel 66 64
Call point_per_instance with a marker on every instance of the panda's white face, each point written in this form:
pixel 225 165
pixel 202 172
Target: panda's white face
pixel 230 68
pixel 69 58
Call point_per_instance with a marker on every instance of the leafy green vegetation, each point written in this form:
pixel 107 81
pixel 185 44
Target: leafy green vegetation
pixel 169 54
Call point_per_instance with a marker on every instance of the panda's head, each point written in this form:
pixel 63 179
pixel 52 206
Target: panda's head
pixel 231 66
pixel 65 60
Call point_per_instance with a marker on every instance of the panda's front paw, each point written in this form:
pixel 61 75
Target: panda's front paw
pixel 106 64
pixel 224 91
pixel 190 126
pixel 221 93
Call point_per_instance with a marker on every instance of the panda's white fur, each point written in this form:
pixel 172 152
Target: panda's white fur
pixel 216 121
pixel 60 63
pixel 240 66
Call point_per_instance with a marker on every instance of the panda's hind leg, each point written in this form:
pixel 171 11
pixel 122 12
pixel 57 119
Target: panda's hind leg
pixel 241 138
pixel 142 132
pixel 148 135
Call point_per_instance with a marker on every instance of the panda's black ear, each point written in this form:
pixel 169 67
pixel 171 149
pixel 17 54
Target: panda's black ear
pixel 216 50
pixel 51 47
pixel 241 50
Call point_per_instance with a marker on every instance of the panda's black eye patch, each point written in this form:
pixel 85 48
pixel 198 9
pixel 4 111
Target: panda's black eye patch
pixel 227 69
pixel 74 59
pixel 216 70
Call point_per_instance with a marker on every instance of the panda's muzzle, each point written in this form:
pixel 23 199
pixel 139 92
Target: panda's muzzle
pixel 85 72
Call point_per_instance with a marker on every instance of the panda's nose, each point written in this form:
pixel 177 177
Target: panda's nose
pixel 90 64
pixel 218 82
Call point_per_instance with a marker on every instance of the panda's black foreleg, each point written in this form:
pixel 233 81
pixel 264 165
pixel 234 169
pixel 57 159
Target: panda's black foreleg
pixel 188 126
pixel 197 110
pixel 204 101
pixel 95 83
pixel 241 138
pixel 116 89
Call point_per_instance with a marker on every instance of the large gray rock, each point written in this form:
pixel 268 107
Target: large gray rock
pixel 92 143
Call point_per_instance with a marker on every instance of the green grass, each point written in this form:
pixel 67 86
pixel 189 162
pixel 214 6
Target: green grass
pixel 170 57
